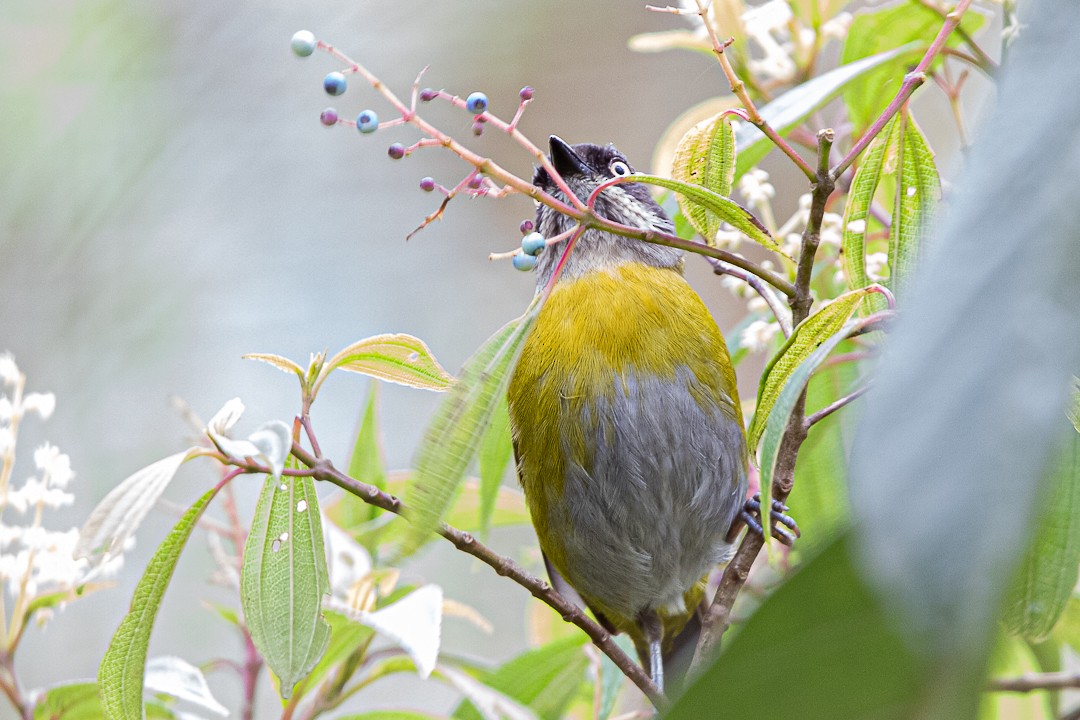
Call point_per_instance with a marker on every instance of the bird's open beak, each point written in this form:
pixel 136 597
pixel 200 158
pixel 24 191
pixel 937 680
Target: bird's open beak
pixel 566 161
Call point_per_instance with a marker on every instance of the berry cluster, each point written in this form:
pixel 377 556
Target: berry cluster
pixel 304 44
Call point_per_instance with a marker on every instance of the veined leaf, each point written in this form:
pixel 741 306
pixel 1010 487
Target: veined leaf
pixel 545 679
pixel 1046 578
pixel 284 577
pixel 122 510
pixel 857 213
pixel 793 381
pixel 705 156
pixel 180 679
pixel 496 449
pixel 663 158
pixel 69 701
pixel 401 359
pixel 917 191
pixel 281 363
pixel 456 430
pixel 120 676
pixel 805 339
pixel 725 209
pixel 791 108
pixel 878 29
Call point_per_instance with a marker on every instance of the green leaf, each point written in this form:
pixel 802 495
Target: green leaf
pixel 120 676
pixel 843 658
pixel 612 678
pixel 705 156
pixel 366 463
pixel 791 108
pixel 283 364
pixel 69 701
pixel 1067 629
pixel 857 213
pixel 545 679
pixel 346 636
pixel 401 359
pixel 806 338
pixel 1046 578
pixel 284 577
pixel 456 430
pixel 723 208
pixel 917 191
pixel 1011 658
pixel 793 385
pixel 496 449
pixel 820 502
pixel 876 30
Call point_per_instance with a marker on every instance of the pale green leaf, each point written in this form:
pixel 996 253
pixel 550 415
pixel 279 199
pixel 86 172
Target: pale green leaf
pixel 366 463
pixel 281 363
pixel 1067 629
pixel 120 676
pixel 181 680
pixel 496 449
pixel 545 679
pixel 284 577
pixel 346 637
pixel 612 678
pixel 1046 578
pixel 805 338
pixel 725 209
pixel 663 158
pixel 454 434
pixel 122 510
pixel 857 213
pixel 69 701
pixel 917 191
pixel 875 31
pixel 791 108
pixel 793 381
pixel 705 156
pixel 399 358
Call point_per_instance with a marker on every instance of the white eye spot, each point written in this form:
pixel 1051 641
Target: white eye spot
pixel 618 168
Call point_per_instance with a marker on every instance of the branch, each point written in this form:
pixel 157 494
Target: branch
pixel 834 406
pixel 1035 681
pixel 912 81
pixel 782 317
pixel 322 469
pixel 980 60
pixel 739 88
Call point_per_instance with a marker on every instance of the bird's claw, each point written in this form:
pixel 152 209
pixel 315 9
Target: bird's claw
pixel 783 528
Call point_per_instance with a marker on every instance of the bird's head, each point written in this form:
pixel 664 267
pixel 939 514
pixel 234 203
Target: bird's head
pixel 585 167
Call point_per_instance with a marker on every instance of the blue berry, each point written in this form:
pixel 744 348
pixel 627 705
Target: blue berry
pixel 328 117
pixel 427 184
pixel 533 244
pixel 303 43
pixel 524 262
pixel 367 121
pixel 334 83
pixel 396 151
pixel 476 103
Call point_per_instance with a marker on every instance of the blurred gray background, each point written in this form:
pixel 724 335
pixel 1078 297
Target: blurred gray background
pixel 169 201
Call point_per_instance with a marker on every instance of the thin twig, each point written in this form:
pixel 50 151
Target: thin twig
pixel 832 407
pixel 912 81
pixel 738 87
pixel 322 469
pixel 783 317
pixel 981 59
pixel 1031 682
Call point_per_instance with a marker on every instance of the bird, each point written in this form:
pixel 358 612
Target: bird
pixel 625 418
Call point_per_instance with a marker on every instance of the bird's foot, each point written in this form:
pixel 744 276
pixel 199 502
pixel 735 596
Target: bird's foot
pixel 783 527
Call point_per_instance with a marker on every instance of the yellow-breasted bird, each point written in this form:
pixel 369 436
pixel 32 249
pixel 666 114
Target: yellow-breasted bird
pixel 626 421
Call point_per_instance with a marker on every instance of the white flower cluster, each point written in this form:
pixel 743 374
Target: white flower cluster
pixel 33 559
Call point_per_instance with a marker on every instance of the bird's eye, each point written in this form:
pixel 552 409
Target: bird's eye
pixel 619 168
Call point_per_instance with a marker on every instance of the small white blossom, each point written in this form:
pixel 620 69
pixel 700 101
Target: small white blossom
pixel 54 463
pixel 757 304
pixel 875 263
pixel 41 403
pixel 728 238
pixel 837 27
pixel 7 441
pixel 735 286
pixel 857 226
pixel 758 334
pixel 7 410
pixel 755 187
pixel 792 244
pixel 9 371
pixel 760 23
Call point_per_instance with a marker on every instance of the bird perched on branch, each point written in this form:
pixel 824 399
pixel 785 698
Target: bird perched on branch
pixel 626 421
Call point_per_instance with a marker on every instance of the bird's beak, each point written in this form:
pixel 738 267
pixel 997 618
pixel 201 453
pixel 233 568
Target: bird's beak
pixel 566 161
